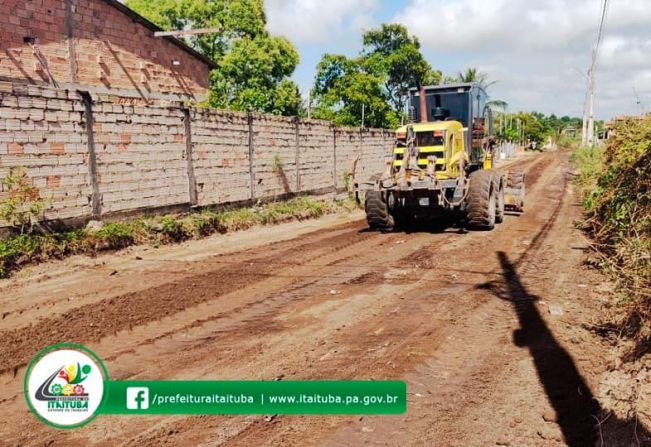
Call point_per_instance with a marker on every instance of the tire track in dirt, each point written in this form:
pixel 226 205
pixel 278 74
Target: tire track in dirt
pixel 28 305
pixel 263 327
pixel 391 360
pixel 303 277
pixel 392 324
pixel 251 327
pixel 478 369
pixel 92 321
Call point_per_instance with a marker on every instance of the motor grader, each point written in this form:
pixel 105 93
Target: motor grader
pixel 443 165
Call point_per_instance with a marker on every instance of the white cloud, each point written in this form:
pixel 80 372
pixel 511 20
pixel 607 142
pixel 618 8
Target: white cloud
pixel 540 51
pixel 546 24
pixel 319 22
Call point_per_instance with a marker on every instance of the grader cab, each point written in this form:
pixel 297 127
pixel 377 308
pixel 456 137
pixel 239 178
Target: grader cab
pixel 443 164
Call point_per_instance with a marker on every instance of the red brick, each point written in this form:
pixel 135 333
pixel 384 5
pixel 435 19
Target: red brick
pixel 57 148
pixel 15 149
pixel 131 41
pixel 53 181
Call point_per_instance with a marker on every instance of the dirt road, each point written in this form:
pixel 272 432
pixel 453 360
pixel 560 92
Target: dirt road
pixel 463 318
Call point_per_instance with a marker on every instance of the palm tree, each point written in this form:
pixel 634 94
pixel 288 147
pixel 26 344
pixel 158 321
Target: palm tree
pixel 498 105
pixel 474 75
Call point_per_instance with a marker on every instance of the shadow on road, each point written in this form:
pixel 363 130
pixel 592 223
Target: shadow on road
pixel 425 225
pixel 577 411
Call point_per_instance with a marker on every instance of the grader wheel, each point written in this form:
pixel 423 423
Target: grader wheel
pixel 515 190
pixel 498 187
pixel 481 201
pixel 377 211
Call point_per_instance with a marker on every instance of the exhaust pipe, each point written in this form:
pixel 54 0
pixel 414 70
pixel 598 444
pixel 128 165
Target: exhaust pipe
pixel 422 103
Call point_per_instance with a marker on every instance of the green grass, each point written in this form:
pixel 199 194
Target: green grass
pixel 589 163
pixel 20 250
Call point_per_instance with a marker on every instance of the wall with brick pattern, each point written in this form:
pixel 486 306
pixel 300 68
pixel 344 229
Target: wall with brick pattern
pixel 110 49
pixel 142 150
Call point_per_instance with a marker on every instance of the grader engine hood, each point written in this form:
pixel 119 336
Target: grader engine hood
pixel 431 140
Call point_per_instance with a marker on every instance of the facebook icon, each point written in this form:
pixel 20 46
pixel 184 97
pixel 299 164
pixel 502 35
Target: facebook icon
pixel 137 398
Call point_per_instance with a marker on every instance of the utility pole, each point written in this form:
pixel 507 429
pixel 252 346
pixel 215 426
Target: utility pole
pixel 638 101
pixel 587 135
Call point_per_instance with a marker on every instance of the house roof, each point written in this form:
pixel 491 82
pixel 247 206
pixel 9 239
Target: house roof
pixel 153 27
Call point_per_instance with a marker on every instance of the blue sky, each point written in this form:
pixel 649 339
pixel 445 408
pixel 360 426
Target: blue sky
pixel 538 51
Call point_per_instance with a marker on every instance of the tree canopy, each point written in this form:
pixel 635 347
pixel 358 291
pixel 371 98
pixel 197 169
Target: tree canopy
pixel 253 66
pixel 374 82
pixel 537 127
pixel 390 52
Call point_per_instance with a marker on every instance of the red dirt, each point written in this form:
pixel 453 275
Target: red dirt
pixel 463 318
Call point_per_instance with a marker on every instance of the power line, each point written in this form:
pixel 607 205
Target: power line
pixel 588 113
pixel 599 34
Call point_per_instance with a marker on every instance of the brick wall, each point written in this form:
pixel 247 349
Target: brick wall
pixel 141 152
pixel 140 156
pixel 111 51
pixel 220 156
pixel 43 131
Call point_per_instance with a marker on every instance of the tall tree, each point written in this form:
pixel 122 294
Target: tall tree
pixel 391 53
pixel 374 83
pixel 254 76
pixel 253 67
pixel 473 75
pixel 345 93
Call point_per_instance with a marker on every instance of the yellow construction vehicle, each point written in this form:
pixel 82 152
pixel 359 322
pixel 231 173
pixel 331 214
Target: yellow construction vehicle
pixel 443 164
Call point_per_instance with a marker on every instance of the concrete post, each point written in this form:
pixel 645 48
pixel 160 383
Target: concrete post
pixel 334 156
pixel 95 197
pixel 297 160
pixel 249 120
pixel 192 181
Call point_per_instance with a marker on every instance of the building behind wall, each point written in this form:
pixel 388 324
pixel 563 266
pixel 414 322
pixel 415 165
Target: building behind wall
pixel 96 45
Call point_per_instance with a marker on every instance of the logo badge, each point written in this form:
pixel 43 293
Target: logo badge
pixel 64 385
pixel 137 398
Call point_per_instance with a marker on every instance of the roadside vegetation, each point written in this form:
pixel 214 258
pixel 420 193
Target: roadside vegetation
pixel 534 129
pixel 253 67
pixel 32 246
pixel 371 86
pixel 616 183
pixel 254 70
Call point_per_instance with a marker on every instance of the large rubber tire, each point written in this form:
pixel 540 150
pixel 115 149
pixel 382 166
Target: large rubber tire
pixel 377 211
pixel 402 219
pixel 515 180
pixel 498 187
pixel 481 203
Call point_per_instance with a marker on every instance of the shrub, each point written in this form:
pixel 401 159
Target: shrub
pixel 111 236
pixel 619 219
pixel 23 206
pixel 31 248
